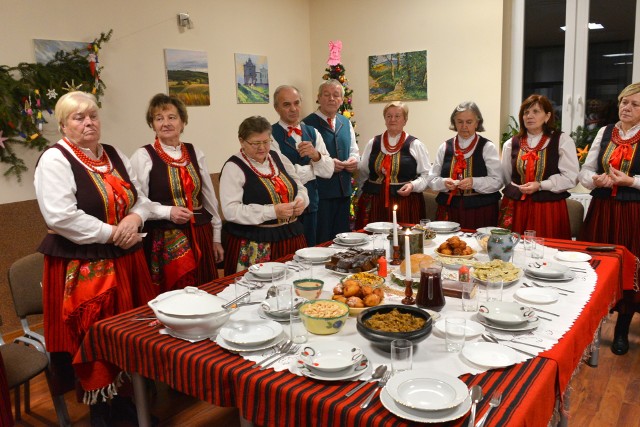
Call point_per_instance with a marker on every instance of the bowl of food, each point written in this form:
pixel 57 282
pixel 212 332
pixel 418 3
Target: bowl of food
pixel 483 240
pixel 455 247
pixel 324 316
pixel 308 288
pixel 385 323
pixel 359 291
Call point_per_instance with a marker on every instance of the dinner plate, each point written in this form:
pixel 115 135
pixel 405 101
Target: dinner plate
pixel 263 314
pixel 352 373
pixel 252 277
pixel 538 295
pixel 352 237
pixel 443 226
pixel 248 348
pixel 573 256
pixel 529 326
pixel 427 391
pixel 265 269
pixel 568 276
pixel 190 338
pixel 548 269
pixel 506 313
pixel 504 284
pixel 453 230
pixel 424 416
pixel 472 329
pixel 250 331
pixel 349 244
pixel 490 355
pixel 330 356
pixel 315 254
pixel 297 258
pixel 469 256
pixel 379 227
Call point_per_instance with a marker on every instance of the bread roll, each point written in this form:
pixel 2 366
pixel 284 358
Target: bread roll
pixel 415 264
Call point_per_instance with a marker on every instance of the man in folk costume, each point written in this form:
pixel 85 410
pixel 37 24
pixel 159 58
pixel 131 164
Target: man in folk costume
pixel 304 146
pixel 340 140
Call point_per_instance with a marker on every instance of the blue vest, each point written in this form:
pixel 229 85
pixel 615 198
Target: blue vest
pixel 338 143
pixel 288 148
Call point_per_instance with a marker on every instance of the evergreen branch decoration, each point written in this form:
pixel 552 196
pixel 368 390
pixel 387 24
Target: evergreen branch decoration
pixel 29 91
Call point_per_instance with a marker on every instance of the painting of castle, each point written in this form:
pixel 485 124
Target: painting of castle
pixel 252 79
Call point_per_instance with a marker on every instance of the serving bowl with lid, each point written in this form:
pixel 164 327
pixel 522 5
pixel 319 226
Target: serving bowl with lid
pixel 383 339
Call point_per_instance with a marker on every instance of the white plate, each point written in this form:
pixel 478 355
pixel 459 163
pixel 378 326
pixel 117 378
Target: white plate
pixel 518 328
pixel 330 356
pixel 250 331
pixel 427 391
pixel 573 256
pixel 486 230
pixel 297 258
pixel 265 269
pixel 264 315
pixel 472 329
pixel 505 313
pixel 247 348
pixel 349 245
pixel 454 230
pixel 548 269
pixel 355 371
pixel 190 338
pixel 280 306
pixel 379 227
pixel 352 237
pixel 538 295
pixel 443 226
pixel 569 275
pixel 504 284
pixel 424 416
pixel 252 277
pixel 315 255
pixel 490 355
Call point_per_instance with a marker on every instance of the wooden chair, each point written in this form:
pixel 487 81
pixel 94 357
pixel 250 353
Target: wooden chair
pixel 576 217
pixel 431 204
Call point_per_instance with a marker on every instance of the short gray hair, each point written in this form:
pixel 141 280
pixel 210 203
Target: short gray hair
pixel 330 82
pixel 467 106
pixel 280 89
pixel 71 102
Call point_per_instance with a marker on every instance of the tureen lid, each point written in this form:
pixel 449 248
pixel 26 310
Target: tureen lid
pixel 189 301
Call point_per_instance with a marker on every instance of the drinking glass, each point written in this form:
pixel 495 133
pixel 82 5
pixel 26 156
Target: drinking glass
pixel 494 287
pixel 455 333
pixel 279 278
pixel 305 269
pixel 401 355
pixel 527 240
pixel 297 331
pixel 239 289
pixel 537 251
pixel 469 296
pixel 379 242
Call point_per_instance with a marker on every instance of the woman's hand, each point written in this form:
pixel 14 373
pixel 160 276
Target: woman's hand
pixel 298 207
pixel 530 187
pixel 126 232
pixel 602 180
pixel 450 184
pixel 406 189
pixel 218 252
pixel 351 164
pixel 466 184
pixel 180 215
pixel 284 210
pixel 620 179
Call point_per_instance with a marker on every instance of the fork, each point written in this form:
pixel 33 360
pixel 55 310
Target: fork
pixel 513 340
pixel 526 285
pixel 553 287
pixel 292 350
pixel 381 383
pixel 280 348
pixel 496 398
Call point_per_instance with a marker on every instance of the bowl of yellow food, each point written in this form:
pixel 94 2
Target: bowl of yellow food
pixel 385 323
pixel 324 316
pixel 308 288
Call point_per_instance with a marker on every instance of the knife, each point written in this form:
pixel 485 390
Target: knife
pixel 379 372
pixel 601 248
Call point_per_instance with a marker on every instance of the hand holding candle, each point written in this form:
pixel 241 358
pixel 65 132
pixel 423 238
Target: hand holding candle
pixel 407 255
pixel 395 226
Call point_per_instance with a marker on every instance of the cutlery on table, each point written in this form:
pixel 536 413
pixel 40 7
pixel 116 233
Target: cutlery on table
pixel 476 396
pixel 494 340
pixel 381 384
pixel 515 342
pixel 236 299
pixel 280 348
pixel 554 287
pixel 377 374
pixel 526 285
pixel 540 310
pixel 496 398
pixel 292 350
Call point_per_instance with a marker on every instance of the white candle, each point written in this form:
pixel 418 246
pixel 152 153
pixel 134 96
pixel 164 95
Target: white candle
pixel 407 256
pixel 395 226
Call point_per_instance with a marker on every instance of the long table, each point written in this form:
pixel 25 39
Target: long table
pixel 267 398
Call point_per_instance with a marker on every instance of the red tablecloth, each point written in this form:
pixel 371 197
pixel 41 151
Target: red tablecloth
pixel 269 398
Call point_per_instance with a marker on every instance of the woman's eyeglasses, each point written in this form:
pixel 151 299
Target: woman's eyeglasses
pixel 256 144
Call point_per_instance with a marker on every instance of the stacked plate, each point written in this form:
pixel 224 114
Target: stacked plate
pixel 250 334
pixel 549 271
pixel 351 239
pixel 379 227
pixel 507 316
pixel 315 255
pixel 264 270
pixel 444 226
pixel 332 361
pixel 279 308
pixel 426 397
pixel 490 355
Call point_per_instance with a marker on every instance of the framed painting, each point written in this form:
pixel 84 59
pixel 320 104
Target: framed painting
pixel 188 76
pixel 252 79
pixel 398 76
pixel 46 50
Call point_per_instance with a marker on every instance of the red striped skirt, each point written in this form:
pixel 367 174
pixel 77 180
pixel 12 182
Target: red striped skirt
pixel 203 237
pixel 371 208
pixel 278 250
pixel 469 218
pixel 548 219
pixel 613 221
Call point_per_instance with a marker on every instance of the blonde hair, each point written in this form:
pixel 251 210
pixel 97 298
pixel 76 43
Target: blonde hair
pixel 72 102
pixel 632 89
pixel 398 104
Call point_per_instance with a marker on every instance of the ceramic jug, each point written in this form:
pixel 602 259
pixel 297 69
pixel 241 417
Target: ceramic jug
pixel 502 243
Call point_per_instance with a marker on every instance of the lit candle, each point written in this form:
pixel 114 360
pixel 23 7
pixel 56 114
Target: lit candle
pixel 395 226
pixel 407 255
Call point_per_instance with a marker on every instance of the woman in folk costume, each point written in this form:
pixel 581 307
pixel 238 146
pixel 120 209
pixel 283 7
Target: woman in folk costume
pixel 612 173
pixel 94 262
pixel 539 166
pixel 183 243
pixel 393 170
pixel 466 172
pixel 261 198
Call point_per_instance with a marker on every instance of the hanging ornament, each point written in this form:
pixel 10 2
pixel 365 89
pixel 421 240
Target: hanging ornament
pixel 2 139
pixel 36 95
pixel 71 87
pixel 335 47
pixel 52 94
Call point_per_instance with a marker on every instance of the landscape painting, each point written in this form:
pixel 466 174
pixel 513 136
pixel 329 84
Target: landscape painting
pixel 252 79
pixel 46 50
pixel 188 75
pixel 398 76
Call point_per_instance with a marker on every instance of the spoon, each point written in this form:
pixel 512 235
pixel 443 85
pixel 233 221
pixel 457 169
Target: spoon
pixel 494 340
pixel 476 396
pixel 377 374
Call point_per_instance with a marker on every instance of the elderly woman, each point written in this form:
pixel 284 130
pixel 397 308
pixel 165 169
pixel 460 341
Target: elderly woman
pixel 539 166
pixel 393 170
pixel 183 243
pixel 94 262
pixel 612 173
pixel 466 172
pixel 261 198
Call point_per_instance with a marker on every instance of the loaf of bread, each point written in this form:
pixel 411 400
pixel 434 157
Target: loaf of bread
pixel 415 264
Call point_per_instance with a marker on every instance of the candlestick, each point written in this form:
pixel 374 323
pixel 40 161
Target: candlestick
pixel 408 292
pixel 395 259
pixel 395 226
pixel 407 255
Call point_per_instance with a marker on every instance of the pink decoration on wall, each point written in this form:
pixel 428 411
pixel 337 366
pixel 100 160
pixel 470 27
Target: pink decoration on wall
pixel 335 47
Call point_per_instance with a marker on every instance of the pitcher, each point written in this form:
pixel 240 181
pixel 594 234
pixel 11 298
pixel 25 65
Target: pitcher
pixel 501 244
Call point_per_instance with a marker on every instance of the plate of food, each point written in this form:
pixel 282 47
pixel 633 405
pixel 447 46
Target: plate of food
pixel 455 247
pixel 359 294
pixel 510 273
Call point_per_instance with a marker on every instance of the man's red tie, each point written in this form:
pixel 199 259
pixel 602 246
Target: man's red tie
pixel 293 130
pixel 330 120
